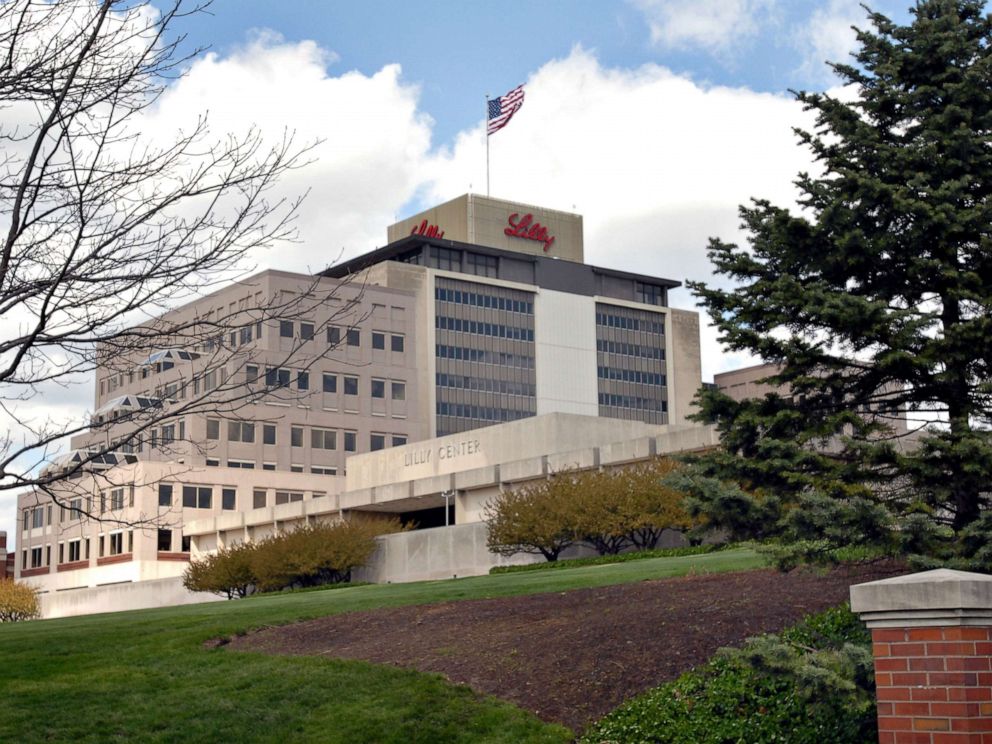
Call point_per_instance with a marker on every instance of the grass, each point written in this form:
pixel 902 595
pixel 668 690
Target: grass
pixel 145 675
pixel 601 560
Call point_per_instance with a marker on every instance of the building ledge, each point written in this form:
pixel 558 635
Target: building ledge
pixel 26 572
pixel 111 559
pixel 166 556
pixel 73 566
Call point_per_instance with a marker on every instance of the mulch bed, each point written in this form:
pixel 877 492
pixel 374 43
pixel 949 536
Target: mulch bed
pixel 573 656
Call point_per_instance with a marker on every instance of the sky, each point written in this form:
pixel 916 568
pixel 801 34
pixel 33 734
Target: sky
pixel 654 119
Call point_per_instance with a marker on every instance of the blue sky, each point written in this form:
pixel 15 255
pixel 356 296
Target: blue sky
pixel 458 51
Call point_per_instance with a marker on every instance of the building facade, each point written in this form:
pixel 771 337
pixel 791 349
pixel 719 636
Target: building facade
pixel 258 413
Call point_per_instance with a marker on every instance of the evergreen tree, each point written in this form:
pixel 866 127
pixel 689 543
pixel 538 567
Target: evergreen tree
pixel 873 302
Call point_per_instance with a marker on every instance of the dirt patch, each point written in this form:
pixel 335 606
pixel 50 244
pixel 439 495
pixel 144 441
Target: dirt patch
pixel 573 656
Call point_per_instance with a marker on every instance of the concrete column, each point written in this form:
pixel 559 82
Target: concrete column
pixel 932 641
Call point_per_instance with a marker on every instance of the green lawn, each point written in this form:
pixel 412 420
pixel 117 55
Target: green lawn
pixel 145 676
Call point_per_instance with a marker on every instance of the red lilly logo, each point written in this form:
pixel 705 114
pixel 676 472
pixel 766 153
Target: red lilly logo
pixel 525 227
pixel 428 231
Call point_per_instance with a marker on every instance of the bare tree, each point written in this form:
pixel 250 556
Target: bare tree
pixel 102 232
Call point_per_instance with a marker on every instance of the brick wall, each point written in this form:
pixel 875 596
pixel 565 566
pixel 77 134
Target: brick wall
pixel 934 684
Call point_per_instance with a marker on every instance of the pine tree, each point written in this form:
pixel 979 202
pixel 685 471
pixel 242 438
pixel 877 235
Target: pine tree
pixel 874 301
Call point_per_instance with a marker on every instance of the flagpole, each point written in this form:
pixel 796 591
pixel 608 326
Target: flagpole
pixel 486 123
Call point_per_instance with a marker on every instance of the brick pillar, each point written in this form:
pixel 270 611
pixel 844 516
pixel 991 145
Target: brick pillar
pixel 932 641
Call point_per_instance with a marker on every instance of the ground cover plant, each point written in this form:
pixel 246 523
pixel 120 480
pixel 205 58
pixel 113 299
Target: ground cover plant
pixel 146 675
pixel 812 683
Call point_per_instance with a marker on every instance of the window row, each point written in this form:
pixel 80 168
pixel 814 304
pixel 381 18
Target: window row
pixel 335 334
pixel 478 299
pixel 631 375
pixel 196 497
pixel 483 356
pixel 497 330
pixel 625 349
pixel 480 413
pixel 623 322
pixel 485 384
pixel 631 401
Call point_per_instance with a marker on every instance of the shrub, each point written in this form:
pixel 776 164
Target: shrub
pixel 538 519
pixel 810 684
pixel 317 554
pixel 17 602
pixel 314 555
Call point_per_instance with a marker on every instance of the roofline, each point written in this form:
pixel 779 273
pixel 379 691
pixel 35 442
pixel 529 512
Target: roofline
pixel 360 263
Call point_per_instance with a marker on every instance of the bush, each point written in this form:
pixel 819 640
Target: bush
pixel 813 683
pixel 17 602
pixel 609 510
pixel 314 555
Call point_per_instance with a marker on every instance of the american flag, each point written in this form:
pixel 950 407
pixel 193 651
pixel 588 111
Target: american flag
pixel 502 109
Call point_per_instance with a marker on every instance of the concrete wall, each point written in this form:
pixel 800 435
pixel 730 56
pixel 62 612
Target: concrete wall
pixel 117 597
pixel 451 552
pixel 472 218
pixel 565 349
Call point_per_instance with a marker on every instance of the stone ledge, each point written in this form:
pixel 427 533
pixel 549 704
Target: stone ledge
pixel 929 598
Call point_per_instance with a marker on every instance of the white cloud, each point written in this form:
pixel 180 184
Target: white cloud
pixel 374 138
pixel 828 36
pixel 713 25
pixel 654 162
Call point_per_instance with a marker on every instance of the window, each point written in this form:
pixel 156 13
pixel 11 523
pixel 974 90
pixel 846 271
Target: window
pixel 168 434
pixel 286 497
pixel 37 517
pixel 333 335
pixel 353 337
pixel 117 498
pixel 100 548
pixel 399 390
pixel 481 265
pixel 399 440
pixel 240 431
pixel 75 551
pixel 268 466
pixel 323 439
pixel 296 436
pixel 197 497
pixel 306 331
pixel 316 470
pixel 377 442
pixel 164 541
pixel 378 340
pixel 75 509
pixel 650 294
pixel 242 464
pixel 295 468
pixel 276 377
pixel 227 499
pixel 213 429
pixel 330 384
pixel 185 543
pixel 116 543
pixel 251 373
pixel 268 433
pixel 245 334
pixel 378 388
pixel 258 499
pixel 446 259
pixel 349 441
pixel 213 462
pixel 35 557
pixel 396 342
pixel 285 329
pixel 302 380
pixel 350 385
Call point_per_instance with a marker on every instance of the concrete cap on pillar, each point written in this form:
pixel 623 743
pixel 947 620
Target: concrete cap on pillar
pixel 929 598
